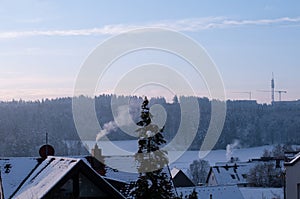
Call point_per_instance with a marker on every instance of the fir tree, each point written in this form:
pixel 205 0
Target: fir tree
pixel 153 181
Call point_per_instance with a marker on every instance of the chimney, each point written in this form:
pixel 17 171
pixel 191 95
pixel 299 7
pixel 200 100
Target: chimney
pixel 96 152
pixel 97 160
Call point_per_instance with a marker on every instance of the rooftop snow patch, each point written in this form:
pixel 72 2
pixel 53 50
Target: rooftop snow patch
pixel 174 172
pixel 14 171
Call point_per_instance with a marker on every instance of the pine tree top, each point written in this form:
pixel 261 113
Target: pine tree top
pixel 153 181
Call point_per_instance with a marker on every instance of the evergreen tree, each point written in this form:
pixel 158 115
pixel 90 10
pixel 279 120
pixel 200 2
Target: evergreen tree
pixel 153 181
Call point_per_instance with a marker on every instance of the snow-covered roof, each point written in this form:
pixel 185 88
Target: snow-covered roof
pixel 46 176
pixel 174 172
pixel 180 179
pixel 14 171
pixel 121 175
pixel 228 191
pixel 124 168
pixel 231 174
pixel 121 168
pixel 123 163
pixel 293 161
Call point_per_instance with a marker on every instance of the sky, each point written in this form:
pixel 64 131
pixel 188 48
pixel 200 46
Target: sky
pixel 44 43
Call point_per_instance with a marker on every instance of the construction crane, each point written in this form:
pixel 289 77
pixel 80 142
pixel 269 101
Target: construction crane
pixel 247 92
pixel 273 90
pixel 279 94
pixel 277 91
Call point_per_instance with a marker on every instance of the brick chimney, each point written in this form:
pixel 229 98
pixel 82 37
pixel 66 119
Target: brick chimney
pixel 97 153
pixel 97 160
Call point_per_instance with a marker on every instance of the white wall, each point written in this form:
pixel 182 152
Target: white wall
pixel 292 180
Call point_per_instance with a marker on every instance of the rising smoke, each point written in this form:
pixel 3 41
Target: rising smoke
pixel 230 148
pixel 123 118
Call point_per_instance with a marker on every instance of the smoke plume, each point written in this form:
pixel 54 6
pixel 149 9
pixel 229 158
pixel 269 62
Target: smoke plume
pixel 122 119
pixel 230 148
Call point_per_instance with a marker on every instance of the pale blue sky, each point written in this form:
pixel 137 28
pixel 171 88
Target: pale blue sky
pixel 43 43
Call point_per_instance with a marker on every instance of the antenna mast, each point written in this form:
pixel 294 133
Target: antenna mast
pixel 272 88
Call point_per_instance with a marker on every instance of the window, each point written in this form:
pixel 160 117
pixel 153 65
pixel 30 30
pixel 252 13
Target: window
pixel 232 176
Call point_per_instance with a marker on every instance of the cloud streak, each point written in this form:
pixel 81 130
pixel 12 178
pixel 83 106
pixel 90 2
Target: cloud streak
pixel 184 25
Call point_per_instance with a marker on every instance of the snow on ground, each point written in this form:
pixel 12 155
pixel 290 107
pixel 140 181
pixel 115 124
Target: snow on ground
pixel 262 193
pixel 114 148
pixel 215 192
pixel 129 147
pixel 233 192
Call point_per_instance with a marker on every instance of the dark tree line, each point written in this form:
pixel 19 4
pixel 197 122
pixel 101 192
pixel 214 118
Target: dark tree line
pixel 23 125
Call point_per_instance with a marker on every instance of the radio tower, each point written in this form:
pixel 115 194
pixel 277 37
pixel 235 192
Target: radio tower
pixel 272 88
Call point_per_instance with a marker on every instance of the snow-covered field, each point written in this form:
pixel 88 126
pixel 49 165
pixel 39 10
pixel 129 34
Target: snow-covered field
pixel 116 148
pixel 261 193
pixel 233 192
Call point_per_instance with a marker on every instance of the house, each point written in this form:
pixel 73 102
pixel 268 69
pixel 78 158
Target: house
pixel 292 178
pixel 228 175
pixel 53 177
pixel 236 173
pixel 180 179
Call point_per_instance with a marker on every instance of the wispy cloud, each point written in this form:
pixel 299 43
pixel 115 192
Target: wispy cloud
pixel 197 24
pixel 184 25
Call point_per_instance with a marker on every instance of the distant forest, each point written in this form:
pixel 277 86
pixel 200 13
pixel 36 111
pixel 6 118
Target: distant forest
pixel 23 125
